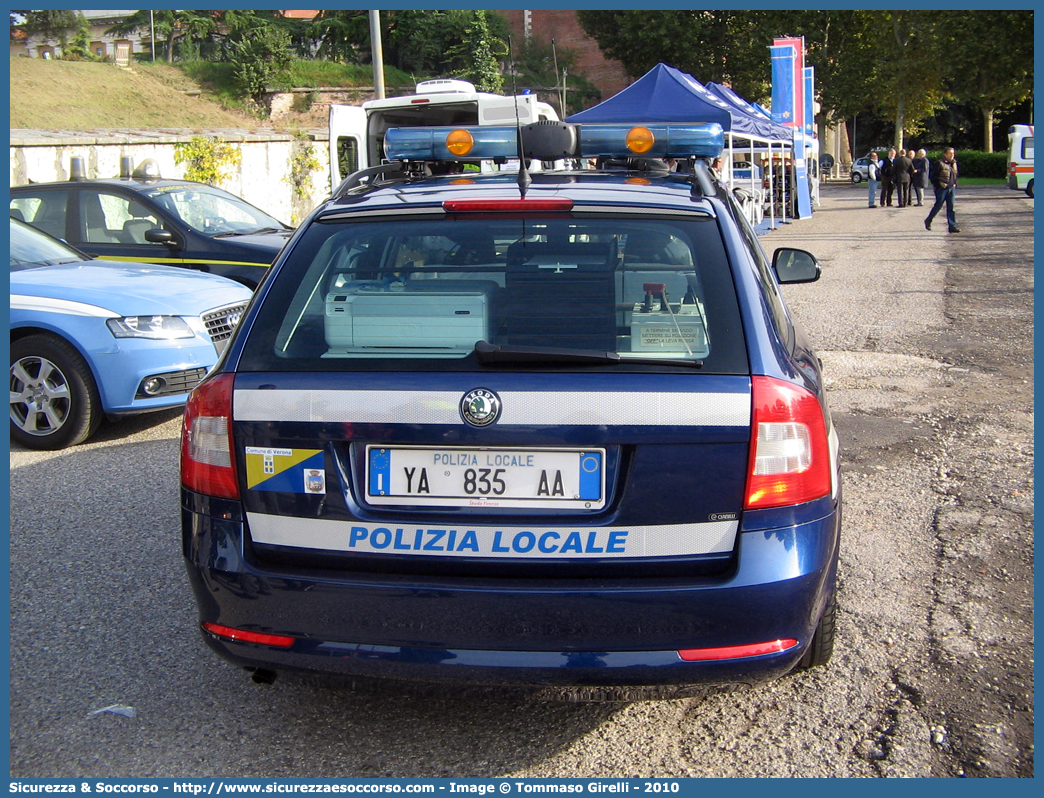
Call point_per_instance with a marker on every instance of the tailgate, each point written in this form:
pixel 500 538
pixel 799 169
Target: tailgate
pixel 373 471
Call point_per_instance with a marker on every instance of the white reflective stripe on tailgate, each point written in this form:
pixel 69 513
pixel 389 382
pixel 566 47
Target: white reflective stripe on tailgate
pixel 563 542
pixel 581 408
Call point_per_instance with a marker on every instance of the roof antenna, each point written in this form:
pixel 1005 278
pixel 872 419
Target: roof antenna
pixel 523 170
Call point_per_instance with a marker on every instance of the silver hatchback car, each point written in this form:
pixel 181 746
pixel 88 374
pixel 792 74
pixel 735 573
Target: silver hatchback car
pixel 861 170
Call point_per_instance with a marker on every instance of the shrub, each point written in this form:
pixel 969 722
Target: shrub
pixel 975 163
pixel 303 163
pixel 303 102
pixel 207 157
pixel 261 61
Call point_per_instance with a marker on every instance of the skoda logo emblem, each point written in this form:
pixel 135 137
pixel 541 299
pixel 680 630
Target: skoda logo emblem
pixel 480 407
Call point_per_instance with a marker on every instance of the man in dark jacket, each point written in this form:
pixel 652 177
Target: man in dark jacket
pixel 902 174
pixel 944 180
pixel 886 178
pixel 921 166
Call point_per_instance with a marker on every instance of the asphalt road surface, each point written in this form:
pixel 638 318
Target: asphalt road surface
pixel 927 339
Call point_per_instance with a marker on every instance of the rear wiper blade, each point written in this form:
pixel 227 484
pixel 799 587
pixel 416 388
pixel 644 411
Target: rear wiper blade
pixel 259 231
pixel 486 353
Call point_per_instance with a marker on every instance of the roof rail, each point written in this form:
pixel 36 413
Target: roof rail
pixel 701 176
pixel 357 178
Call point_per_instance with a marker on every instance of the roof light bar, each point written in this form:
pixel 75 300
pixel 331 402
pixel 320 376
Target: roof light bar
pixel 613 141
pixel 652 141
pixel 433 143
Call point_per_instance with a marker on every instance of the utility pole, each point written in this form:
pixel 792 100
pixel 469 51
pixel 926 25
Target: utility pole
pixel 378 54
pixel 152 34
pixel 561 92
pixel 565 80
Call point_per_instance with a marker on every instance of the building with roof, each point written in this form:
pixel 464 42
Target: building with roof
pixel 101 44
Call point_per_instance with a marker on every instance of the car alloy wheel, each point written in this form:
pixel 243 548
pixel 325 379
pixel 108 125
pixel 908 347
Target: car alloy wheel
pixel 54 401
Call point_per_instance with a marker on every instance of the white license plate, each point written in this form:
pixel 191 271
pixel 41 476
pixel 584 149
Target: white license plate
pixel 531 478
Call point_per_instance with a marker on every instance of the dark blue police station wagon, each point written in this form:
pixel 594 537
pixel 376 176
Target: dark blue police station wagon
pixel 553 429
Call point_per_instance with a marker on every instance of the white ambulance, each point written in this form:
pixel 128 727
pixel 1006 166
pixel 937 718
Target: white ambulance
pixel 1020 158
pixel 357 132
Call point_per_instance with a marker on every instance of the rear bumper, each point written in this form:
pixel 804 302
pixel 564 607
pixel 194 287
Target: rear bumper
pixel 515 631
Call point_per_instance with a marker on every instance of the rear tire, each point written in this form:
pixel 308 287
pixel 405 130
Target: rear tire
pixel 822 645
pixel 1029 190
pixel 54 399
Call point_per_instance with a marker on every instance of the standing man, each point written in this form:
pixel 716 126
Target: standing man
pixel 873 172
pixel 944 180
pixel 902 174
pixel 920 180
pixel 886 178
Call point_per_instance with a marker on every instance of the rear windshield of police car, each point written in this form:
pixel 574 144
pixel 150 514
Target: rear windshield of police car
pixel 419 294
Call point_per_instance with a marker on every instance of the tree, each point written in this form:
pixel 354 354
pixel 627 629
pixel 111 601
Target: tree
pixel 261 59
pixel 17 18
pixel 170 26
pixel 909 80
pixel 841 45
pixel 80 46
pixel 480 51
pixel 993 72
pixel 343 36
pixel 413 40
pixel 439 42
pixel 534 64
pixel 53 26
pixel 721 46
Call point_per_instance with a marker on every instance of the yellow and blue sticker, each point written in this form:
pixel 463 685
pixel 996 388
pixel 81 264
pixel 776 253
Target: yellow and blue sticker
pixel 285 470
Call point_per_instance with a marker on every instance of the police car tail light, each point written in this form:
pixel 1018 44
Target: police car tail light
pixel 243 636
pixel 207 465
pixel 789 453
pixel 736 652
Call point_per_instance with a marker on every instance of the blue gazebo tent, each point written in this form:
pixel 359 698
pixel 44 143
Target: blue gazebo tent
pixel 728 95
pixel 668 95
pixel 665 94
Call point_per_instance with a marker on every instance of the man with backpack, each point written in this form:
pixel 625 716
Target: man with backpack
pixel 944 179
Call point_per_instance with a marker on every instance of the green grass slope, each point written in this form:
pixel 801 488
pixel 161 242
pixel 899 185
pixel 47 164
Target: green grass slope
pixel 79 95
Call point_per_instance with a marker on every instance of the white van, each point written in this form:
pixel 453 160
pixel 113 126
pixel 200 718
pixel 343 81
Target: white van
pixel 1020 158
pixel 357 132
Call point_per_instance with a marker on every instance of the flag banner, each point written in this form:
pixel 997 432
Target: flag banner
pixel 803 192
pixel 782 84
pixel 797 78
pixel 810 112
